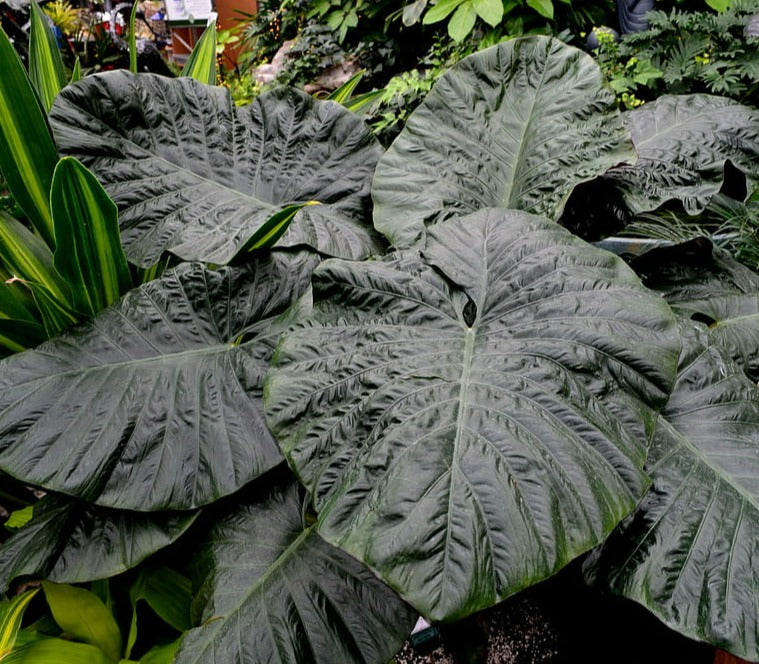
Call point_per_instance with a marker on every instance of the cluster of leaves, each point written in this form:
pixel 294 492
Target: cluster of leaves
pixel 694 51
pixel 352 434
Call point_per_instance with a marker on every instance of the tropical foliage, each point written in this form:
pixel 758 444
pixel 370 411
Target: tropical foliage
pixel 344 435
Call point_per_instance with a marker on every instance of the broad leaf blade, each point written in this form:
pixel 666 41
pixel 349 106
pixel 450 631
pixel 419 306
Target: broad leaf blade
pixel 45 64
pixel 689 553
pixel 200 183
pixel 273 591
pixel 156 403
pixel 70 542
pixel 713 288
pixel 27 152
pixel 83 616
pixel 495 441
pixel 683 142
pixel 201 65
pixel 88 251
pixel 518 126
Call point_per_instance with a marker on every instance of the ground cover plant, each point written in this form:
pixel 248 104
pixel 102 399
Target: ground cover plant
pixel 426 397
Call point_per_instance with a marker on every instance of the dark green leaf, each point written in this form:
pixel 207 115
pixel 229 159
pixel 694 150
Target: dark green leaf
pixel 88 253
pixel 683 142
pixel 467 441
pixel 689 553
pixel 156 403
pixel 45 64
pixel 518 125
pixel 714 289
pixel 81 615
pixel 273 591
pixel 167 592
pixel 201 182
pixel 68 541
pixel 27 152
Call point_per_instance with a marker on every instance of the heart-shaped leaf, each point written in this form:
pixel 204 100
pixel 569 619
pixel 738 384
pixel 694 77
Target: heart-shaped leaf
pixel 193 174
pixel 689 553
pixel 518 125
pixel 155 404
pixel 464 435
pixel 274 591
pixel 713 288
pixel 683 142
pixel 70 542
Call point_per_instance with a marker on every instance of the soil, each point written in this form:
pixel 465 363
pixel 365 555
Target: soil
pixel 558 622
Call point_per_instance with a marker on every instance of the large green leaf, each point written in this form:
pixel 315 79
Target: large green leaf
pixel 27 153
pixel 467 441
pixel 274 592
pixel 193 174
pixel 515 126
pixel 70 542
pixel 155 404
pixel 713 288
pixel 45 64
pixel 689 553
pixel 683 142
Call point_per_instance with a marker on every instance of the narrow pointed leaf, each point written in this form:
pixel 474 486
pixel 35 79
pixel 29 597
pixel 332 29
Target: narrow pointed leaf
pixel 501 422
pixel 30 260
pixel 201 65
pixel 683 142
pixel 27 152
pixel 45 63
pixel 517 126
pixel 57 651
pixel 689 553
pixel 70 542
pixel 88 253
pixel 275 592
pixel 133 40
pixel 155 404
pixel 274 227
pixel 28 257
pixel 83 616
pixel 11 614
pixel 201 182
pixel 345 91
pixel 76 72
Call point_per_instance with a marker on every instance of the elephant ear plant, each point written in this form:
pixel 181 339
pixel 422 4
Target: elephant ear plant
pixel 343 437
